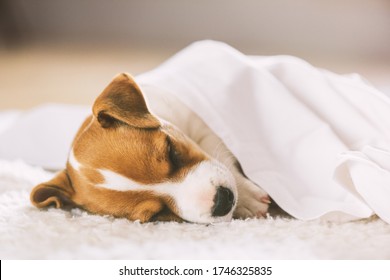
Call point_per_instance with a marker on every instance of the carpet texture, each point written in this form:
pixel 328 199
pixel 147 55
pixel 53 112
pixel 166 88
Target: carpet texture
pixel 29 233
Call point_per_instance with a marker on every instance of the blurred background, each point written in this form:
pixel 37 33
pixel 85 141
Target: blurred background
pixel 67 51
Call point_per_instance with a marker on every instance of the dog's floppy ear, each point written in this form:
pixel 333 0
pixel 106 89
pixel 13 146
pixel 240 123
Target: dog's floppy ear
pixel 123 102
pixel 58 192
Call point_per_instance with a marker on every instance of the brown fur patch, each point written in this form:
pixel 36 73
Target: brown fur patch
pixel 139 154
pixel 93 176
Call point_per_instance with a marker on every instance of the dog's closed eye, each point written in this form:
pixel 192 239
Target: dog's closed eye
pixel 174 156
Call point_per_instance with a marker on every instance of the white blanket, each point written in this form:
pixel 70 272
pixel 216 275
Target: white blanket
pixel 317 142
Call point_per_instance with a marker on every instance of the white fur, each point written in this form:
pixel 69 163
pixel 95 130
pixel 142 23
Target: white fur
pixel 73 161
pixel 193 196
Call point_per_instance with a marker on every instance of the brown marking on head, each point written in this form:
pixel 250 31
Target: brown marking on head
pixel 122 136
pixel 91 175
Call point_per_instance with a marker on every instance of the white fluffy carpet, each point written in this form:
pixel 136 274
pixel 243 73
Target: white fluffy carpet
pixel 29 233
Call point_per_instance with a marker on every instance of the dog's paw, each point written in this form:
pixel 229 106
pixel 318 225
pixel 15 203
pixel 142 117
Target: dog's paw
pixel 253 202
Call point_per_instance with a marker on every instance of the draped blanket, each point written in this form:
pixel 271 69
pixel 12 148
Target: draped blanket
pixel 317 142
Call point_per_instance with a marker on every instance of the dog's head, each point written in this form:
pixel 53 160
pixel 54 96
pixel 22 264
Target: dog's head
pixel 126 162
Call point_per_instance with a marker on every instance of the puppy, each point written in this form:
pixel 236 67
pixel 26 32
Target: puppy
pixel 155 162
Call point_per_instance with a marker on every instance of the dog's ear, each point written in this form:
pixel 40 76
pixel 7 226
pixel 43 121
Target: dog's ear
pixel 123 102
pixel 57 192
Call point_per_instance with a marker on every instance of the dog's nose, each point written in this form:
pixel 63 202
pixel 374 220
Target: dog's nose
pixel 223 202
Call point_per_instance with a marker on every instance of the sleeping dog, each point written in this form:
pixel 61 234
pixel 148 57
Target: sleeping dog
pixel 143 155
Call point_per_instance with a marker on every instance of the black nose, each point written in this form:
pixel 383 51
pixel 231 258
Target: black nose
pixel 223 202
